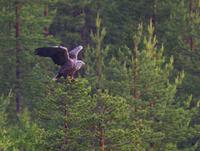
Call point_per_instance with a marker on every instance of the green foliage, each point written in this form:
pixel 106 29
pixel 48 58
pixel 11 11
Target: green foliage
pixel 69 23
pixel 169 123
pixel 23 135
pixel 176 27
pixel 136 96
pixel 69 105
pixel 117 78
pixel 26 134
pixel 5 139
pixel 97 53
pixel 31 36
pixel 112 114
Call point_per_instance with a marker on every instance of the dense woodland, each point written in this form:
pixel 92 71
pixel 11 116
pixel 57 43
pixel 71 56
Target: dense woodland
pixel 139 90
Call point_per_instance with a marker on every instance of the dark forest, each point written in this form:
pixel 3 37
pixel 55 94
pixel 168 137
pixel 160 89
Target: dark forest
pixel 139 89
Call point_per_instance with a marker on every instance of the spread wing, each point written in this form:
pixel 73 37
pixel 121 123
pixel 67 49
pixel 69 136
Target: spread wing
pixel 74 52
pixel 58 54
pixel 79 64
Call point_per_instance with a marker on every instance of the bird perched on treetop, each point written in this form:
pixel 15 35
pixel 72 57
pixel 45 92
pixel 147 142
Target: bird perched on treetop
pixel 67 60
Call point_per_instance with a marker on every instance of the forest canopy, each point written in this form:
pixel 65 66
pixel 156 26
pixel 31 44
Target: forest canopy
pixel 138 91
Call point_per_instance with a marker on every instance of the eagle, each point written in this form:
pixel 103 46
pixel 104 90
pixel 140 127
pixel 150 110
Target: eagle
pixel 67 60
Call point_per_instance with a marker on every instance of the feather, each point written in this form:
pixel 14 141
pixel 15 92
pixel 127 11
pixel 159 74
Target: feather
pixel 74 52
pixel 58 54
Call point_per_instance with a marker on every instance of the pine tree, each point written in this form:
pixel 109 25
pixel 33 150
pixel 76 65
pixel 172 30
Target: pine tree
pixel 15 136
pixel 111 111
pixel 7 39
pixel 157 105
pixel 24 130
pixel 31 37
pixel 18 60
pixel 134 98
pixel 117 80
pixel 5 139
pixel 180 36
pixel 71 23
pixel 65 113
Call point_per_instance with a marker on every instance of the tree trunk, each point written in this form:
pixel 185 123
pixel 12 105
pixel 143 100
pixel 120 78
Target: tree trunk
pixel 98 66
pixel 191 7
pixel 46 13
pixel 191 40
pixel 18 51
pixel 135 89
pixel 66 127
pixel 153 17
pixel 152 147
pixel 98 62
pixel 101 138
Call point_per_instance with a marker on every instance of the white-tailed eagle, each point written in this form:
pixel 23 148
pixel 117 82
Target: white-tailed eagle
pixel 67 60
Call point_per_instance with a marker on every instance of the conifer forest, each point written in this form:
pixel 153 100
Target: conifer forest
pixel 138 83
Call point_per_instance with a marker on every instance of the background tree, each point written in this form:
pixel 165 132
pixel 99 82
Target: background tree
pixel 157 97
pixel 133 99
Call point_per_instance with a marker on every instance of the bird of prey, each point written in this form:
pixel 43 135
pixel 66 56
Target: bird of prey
pixel 67 60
